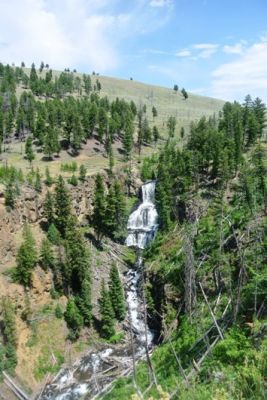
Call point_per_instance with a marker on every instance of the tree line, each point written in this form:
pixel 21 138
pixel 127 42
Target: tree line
pixel 63 121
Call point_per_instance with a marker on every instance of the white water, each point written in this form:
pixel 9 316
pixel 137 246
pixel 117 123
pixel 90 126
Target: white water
pixel 84 378
pixel 142 226
pixel 143 222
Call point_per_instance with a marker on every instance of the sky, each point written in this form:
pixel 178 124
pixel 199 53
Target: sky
pixel 214 48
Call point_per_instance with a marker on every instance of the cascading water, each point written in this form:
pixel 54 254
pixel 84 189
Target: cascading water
pixel 93 373
pixel 142 226
pixel 142 223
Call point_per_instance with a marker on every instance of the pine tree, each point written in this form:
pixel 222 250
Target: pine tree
pixel 51 143
pixel 87 84
pixel 260 112
pixel 102 123
pixel 117 293
pixel 10 194
pixel 99 204
pixel 110 161
pixel 49 208
pixel 92 118
pixel 9 322
pixel 53 235
pixel 73 180
pixel 9 334
pixel 171 124
pixel 38 183
pixel 26 258
pixel 82 173
pixel 258 160
pixel 76 136
pixel 29 154
pixel 77 257
pixel 184 93
pixel 107 313
pixel 40 129
pixel 73 319
pixel 120 207
pixel 128 139
pixel 47 259
pixel 84 300
pixel 154 112
pixel 238 133
pixel 146 132
pixel 33 74
pixel 140 131
pixel 164 196
pixel 253 129
pixel 48 178
pixel 155 134
pixel 62 205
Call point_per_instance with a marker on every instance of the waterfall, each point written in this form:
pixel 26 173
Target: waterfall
pixel 142 224
pixel 87 376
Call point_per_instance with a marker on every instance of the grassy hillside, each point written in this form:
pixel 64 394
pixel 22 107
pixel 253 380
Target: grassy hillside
pixel 166 101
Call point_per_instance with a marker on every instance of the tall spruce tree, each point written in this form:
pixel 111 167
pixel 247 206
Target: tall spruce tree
pixel 48 178
pixel 9 335
pixel 47 259
pixel 29 154
pixel 82 173
pixel 128 138
pixel 62 205
pixel 84 300
pixel 171 124
pixel 38 182
pixel 107 313
pixel 117 293
pixel 77 258
pixel 10 194
pixel 73 319
pixel 99 203
pixel 120 207
pixel 26 258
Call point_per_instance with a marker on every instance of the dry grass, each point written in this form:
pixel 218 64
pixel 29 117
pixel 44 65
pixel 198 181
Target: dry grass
pixel 167 102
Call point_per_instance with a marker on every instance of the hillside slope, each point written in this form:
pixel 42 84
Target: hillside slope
pixel 166 100
pixel 34 102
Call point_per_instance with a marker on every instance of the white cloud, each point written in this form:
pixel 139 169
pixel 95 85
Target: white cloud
pixel 237 48
pixel 183 53
pixel 33 31
pixel 85 34
pixel 158 52
pixel 247 74
pixel 205 49
pixel 160 3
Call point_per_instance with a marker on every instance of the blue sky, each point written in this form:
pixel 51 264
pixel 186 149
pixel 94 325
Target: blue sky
pixel 211 47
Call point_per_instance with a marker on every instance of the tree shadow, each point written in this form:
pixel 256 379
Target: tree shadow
pixel 96 323
pixel 96 243
pixel 46 159
pixel 64 144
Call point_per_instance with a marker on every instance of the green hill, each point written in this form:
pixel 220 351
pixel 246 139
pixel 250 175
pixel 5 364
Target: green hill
pixel 166 100
pixel 64 85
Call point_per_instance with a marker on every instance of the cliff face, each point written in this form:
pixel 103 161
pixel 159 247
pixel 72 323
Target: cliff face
pixel 42 336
